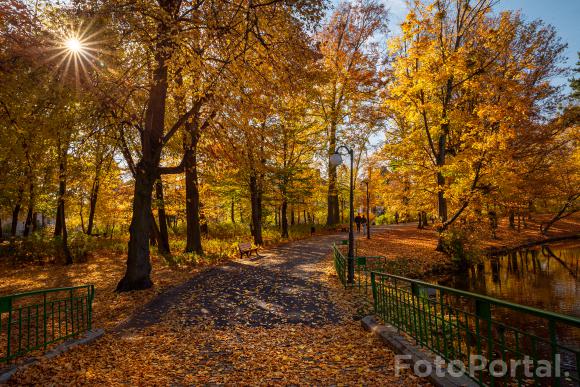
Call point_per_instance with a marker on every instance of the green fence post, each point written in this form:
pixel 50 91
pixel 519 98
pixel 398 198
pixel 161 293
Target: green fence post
pixel 44 321
pixel 554 345
pixel 6 306
pixel 72 314
pixel 374 288
pixel 90 306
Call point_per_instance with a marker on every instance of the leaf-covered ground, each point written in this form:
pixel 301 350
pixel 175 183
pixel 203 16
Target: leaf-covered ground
pixel 281 318
pixel 103 269
pixel 411 251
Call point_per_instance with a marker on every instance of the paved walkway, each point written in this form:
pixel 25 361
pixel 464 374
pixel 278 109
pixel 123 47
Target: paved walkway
pixel 277 287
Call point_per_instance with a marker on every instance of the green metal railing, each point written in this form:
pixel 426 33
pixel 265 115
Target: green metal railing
pixel 362 269
pixel 456 325
pixel 34 320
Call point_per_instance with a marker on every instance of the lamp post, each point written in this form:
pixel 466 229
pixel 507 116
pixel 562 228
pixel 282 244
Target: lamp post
pixel 336 160
pixel 366 181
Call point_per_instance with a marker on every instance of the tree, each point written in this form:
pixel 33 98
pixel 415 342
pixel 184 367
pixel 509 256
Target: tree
pixel 575 82
pixel 465 85
pixel 349 66
pixel 171 23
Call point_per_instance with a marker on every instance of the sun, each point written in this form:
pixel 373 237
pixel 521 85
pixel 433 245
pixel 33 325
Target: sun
pixel 74 45
pixel 76 51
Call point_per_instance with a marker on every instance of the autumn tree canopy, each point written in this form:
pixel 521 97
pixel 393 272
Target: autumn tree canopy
pixel 164 122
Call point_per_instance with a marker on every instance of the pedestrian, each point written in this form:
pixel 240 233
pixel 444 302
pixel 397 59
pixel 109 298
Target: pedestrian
pixel 357 220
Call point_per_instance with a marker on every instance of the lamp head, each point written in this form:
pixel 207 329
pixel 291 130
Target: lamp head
pixel 335 159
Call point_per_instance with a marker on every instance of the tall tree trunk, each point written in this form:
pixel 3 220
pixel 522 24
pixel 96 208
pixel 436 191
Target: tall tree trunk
pixel 30 178
pixel 154 237
pixel 28 222
pixel 60 213
pixel 137 275
pixel 64 235
pixel 31 199
pixel 233 213
pixel 93 201
pixel 59 204
pixel 192 206
pixel 284 218
pixel 82 216
pixel 292 217
pixel 256 204
pixel 163 246
pixel 441 200
pixel 332 209
pixel 280 217
pixel 62 231
pixel 16 212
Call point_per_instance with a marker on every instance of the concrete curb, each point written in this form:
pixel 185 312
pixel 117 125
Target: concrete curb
pixel 90 336
pixel 400 345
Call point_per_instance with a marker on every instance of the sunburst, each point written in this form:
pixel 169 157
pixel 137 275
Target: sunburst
pixel 75 52
pixel 74 45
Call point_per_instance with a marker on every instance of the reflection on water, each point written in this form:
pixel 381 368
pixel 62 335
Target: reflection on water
pixel 545 277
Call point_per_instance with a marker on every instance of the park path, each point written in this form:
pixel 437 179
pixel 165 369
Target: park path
pixel 283 285
pixel 280 286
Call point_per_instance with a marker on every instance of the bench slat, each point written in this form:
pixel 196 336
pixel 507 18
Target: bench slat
pixel 244 246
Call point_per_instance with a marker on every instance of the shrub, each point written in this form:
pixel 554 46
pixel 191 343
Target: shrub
pixel 462 245
pixel 385 219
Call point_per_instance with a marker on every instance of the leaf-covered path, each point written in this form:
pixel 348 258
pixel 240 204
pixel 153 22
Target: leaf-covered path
pixel 280 318
pixel 280 286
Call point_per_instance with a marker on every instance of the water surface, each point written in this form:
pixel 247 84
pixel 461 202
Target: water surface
pixel 544 277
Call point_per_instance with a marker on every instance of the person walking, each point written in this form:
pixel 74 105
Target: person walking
pixel 357 220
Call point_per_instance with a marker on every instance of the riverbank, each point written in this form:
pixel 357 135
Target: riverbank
pixel 529 234
pixel 411 251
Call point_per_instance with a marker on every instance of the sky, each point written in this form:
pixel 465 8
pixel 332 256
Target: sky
pixel 564 15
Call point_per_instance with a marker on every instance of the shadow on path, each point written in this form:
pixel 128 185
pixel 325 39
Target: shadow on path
pixel 279 287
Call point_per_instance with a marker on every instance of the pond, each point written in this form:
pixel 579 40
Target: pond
pixel 544 277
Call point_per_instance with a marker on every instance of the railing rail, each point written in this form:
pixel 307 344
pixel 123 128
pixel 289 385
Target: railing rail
pixel 363 265
pixel 33 320
pixel 457 325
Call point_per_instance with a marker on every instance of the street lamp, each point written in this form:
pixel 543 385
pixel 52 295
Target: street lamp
pixel 336 160
pixel 366 182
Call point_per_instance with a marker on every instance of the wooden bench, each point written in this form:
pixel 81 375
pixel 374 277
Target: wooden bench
pixel 247 249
